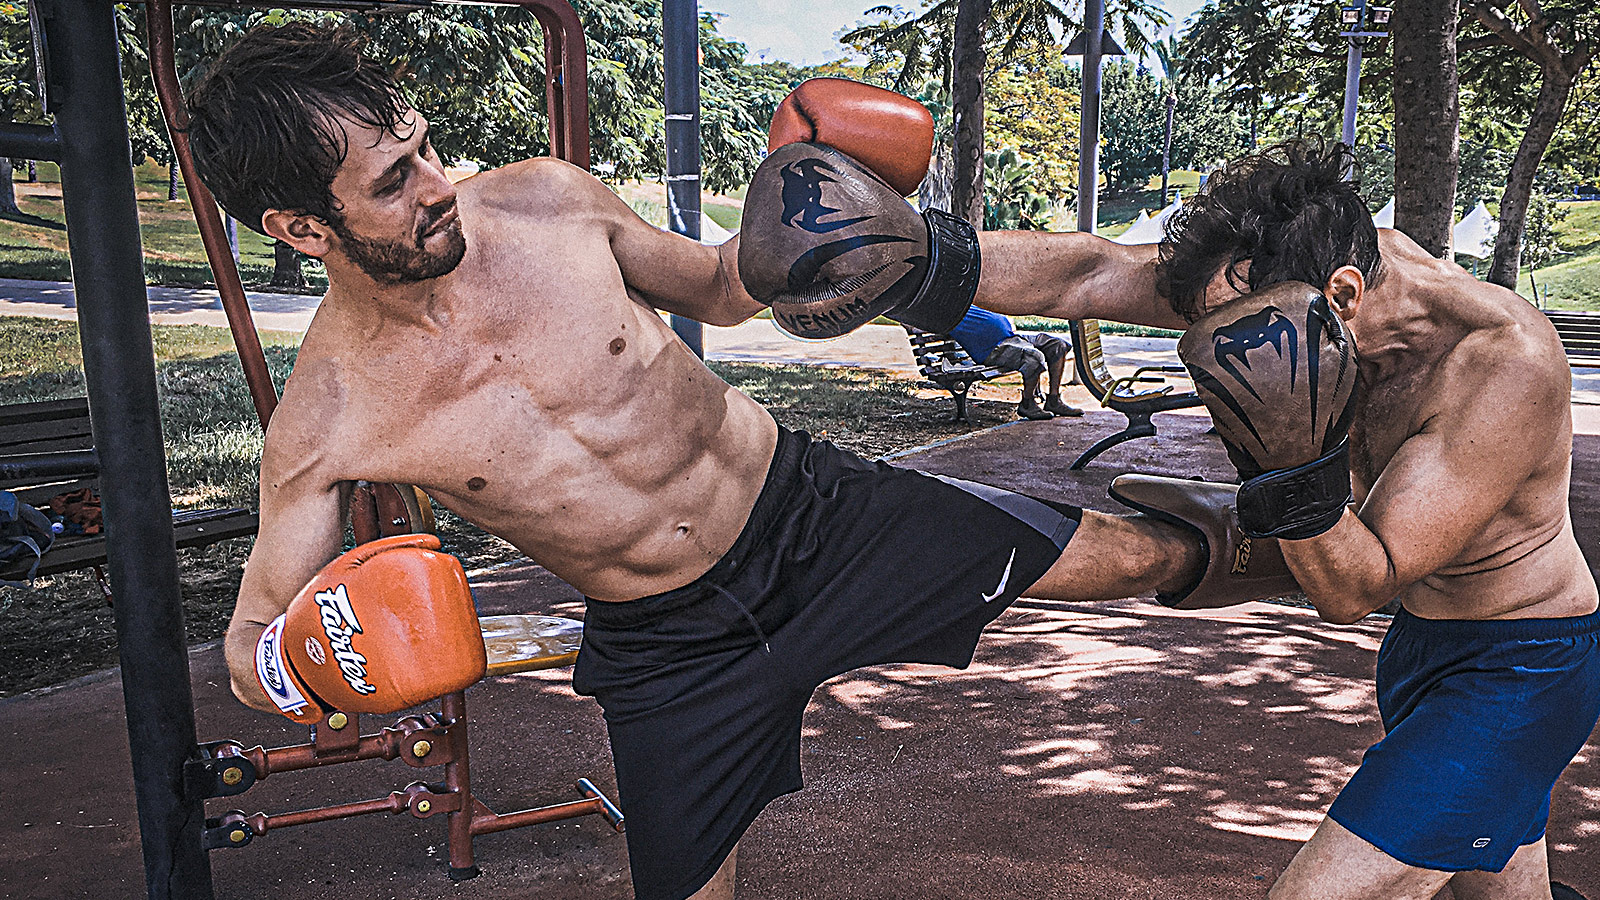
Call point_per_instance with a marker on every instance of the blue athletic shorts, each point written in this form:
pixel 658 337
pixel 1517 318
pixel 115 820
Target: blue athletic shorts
pixel 843 563
pixel 1480 718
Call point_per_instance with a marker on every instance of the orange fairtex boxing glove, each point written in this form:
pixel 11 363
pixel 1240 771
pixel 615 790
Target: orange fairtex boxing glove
pixel 888 133
pixel 385 626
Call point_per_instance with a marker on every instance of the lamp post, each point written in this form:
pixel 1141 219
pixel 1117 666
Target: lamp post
pixel 1360 22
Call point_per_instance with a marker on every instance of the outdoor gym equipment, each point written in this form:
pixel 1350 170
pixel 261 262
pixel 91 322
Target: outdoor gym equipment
pixel 80 81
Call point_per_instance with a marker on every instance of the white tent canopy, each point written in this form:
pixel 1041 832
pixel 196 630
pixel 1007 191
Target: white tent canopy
pixel 1149 229
pixel 711 232
pixel 1474 235
pixel 1385 217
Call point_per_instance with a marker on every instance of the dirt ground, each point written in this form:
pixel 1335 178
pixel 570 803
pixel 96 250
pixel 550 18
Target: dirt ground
pixel 1093 751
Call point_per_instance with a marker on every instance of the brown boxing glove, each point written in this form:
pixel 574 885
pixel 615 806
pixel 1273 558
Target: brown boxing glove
pixel 1277 370
pixel 889 133
pixel 830 246
pixel 1238 567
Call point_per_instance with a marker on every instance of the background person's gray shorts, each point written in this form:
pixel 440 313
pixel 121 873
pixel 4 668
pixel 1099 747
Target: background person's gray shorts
pixel 1027 352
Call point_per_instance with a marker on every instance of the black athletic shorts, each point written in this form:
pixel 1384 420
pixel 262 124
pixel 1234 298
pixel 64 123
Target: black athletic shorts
pixel 843 563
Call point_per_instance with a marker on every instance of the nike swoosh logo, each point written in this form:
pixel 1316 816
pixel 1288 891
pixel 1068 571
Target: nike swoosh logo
pixel 1004 577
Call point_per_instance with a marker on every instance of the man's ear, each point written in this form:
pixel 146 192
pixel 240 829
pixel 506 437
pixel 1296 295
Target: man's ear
pixel 308 234
pixel 1344 291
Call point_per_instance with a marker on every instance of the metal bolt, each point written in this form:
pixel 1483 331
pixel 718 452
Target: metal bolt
pixel 232 775
pixel 237 835
pixel 421 749
pixel 424 805
pixel 338 720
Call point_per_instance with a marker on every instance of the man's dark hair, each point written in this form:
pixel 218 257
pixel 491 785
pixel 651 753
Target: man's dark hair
pixel 1288 210
pixel 264 123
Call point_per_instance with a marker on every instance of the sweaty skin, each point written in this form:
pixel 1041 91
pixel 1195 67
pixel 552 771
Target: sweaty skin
pixel 536 390
pixel 1461 459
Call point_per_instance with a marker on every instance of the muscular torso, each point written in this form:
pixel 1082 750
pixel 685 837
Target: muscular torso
pixel 1465 360
pixel 540 400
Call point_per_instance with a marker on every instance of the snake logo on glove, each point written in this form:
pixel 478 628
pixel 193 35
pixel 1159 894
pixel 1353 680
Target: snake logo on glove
pixel 802 197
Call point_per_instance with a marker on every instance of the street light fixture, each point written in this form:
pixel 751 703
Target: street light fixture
pixel 1360 22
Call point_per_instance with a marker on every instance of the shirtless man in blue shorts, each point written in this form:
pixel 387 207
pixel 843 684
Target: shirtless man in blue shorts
pixel 1307 325
pixel 1460 458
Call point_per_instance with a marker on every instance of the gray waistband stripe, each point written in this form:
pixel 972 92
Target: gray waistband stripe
pixel 1038 516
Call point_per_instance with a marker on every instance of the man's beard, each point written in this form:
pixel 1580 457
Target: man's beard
pixel 405 262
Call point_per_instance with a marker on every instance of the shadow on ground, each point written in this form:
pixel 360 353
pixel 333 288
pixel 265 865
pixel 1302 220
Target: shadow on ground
pixel 1109 750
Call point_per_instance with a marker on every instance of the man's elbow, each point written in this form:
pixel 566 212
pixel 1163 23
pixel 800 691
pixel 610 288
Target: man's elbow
pixel 731 316
pixel 1347 608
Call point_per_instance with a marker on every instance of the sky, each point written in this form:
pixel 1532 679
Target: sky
pixel 802 31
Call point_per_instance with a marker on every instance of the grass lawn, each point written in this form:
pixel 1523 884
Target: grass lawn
pixel 35 244
pixel 60 628
pixel 1573 281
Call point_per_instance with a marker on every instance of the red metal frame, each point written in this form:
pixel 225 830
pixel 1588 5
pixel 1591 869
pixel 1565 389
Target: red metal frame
pixel 378 509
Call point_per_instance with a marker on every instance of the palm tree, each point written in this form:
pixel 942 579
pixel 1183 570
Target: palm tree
pixel 1167 52
pixel 952 38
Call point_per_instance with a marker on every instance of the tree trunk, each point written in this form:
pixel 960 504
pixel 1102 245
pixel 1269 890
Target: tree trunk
pixel 1427 118
pixel 33 172
pixel 934 192
pixel 172 181
pixel 286 267
pixel 8 191
pixel 1555 86
pixel 966 189
pixel 1166 145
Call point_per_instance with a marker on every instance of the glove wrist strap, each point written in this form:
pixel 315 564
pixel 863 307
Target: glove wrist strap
pixel 1298 503
pixel 952 279
pixel 272 669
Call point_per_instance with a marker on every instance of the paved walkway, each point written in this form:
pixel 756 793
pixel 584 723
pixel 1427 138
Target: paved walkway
pixel 1094 751
pixel 758 340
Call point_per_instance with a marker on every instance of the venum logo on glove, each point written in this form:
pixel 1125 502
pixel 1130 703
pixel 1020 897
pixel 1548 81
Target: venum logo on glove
pixel 1284 426
pixel 340 624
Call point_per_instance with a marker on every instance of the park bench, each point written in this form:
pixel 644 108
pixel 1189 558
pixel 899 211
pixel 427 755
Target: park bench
pixel 1123 395
pixel 56 426
pixel 1580 336
pixel 943 363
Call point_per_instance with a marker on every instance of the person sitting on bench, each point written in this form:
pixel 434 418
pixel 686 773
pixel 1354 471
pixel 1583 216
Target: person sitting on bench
pixel 990 338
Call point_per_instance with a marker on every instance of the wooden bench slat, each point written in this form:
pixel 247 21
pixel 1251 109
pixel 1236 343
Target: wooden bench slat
pixel 54 425
pixel 44 410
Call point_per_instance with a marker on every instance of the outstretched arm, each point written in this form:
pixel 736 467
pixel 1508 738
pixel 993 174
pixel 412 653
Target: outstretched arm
pixel 1071 276
pixel 671 272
